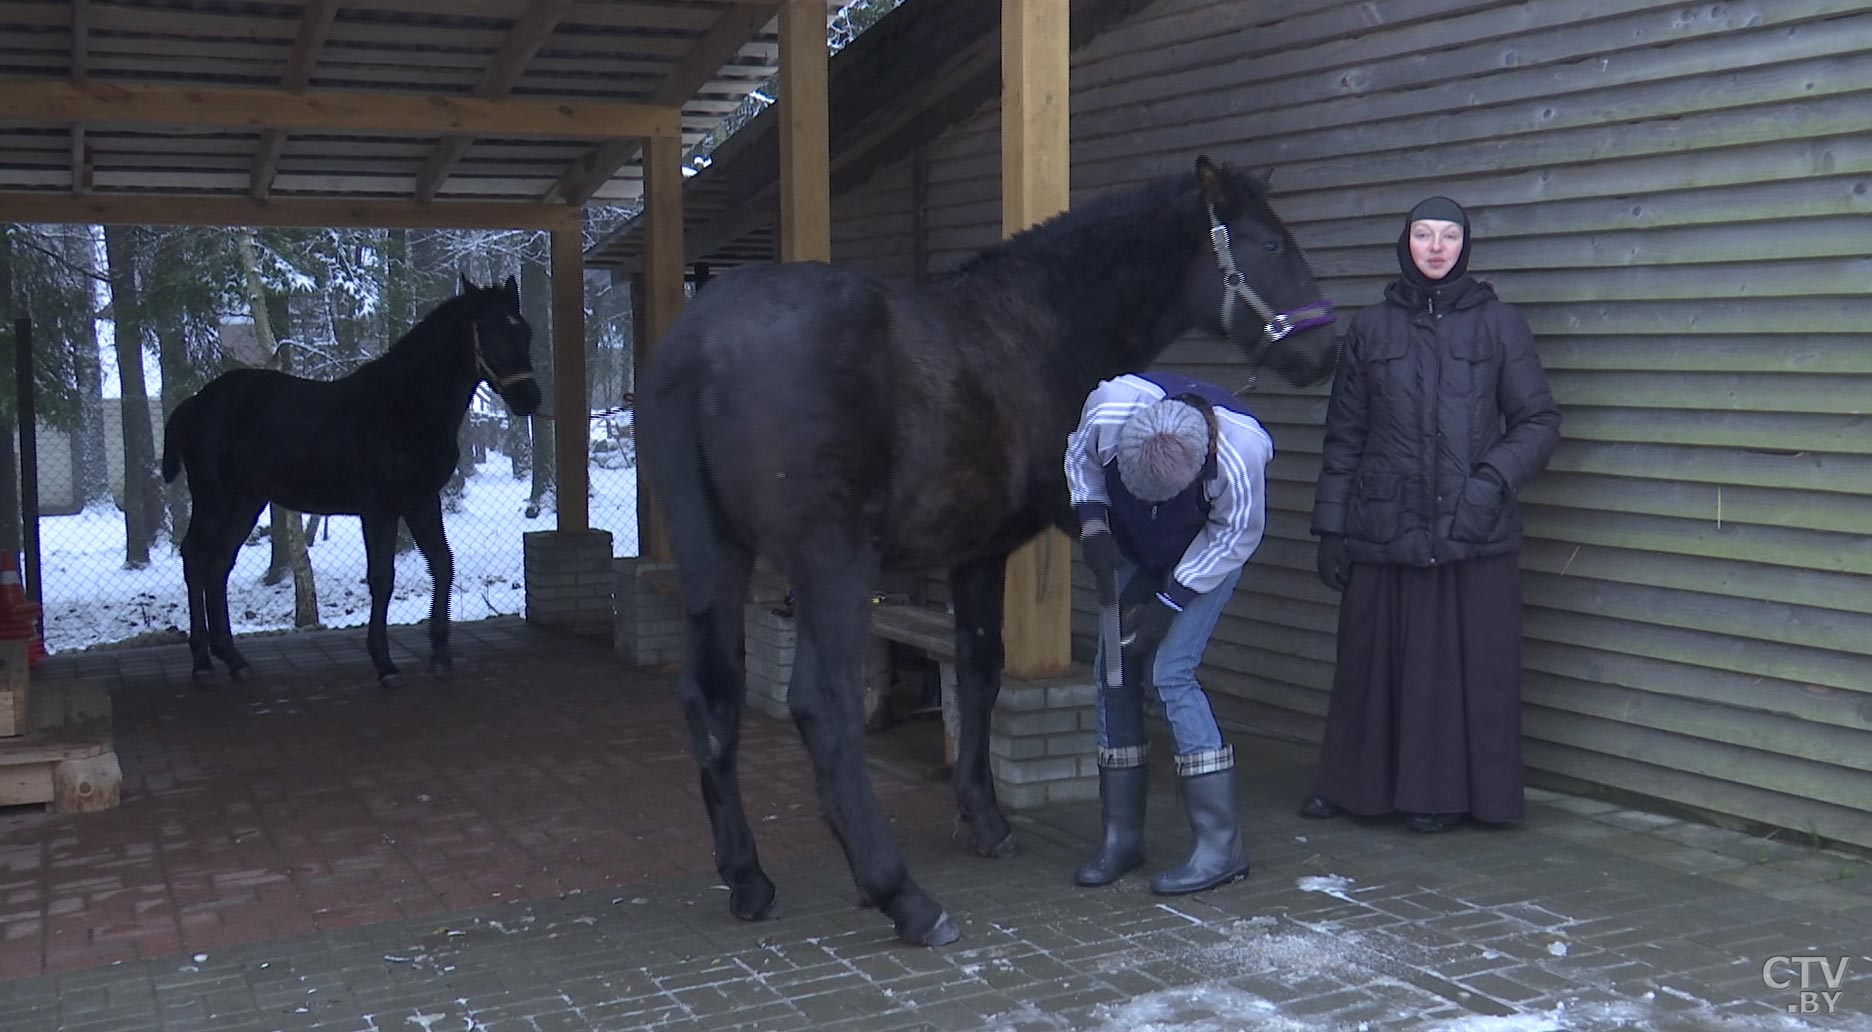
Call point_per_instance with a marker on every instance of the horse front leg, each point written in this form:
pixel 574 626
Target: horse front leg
pixel 977 590
pixel 425 525
pixel 826 701
pixel 380 576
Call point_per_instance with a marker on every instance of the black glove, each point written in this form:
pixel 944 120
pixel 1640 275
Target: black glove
pixel 1335 571
pixel 1101 554
pixel 1147 615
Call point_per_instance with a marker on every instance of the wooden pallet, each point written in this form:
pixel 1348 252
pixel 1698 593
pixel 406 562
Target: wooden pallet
pixel 68 760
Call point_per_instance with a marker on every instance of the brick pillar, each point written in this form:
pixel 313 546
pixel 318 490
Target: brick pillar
pixel 568 580
pixel 647 627
pixel 771 640
pixel 1043 740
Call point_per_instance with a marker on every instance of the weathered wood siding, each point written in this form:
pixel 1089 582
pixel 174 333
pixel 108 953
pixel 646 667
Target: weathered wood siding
pixel 1677 197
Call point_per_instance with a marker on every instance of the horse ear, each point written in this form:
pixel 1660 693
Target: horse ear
pixel 466 286
pixel 1209 180
pixel 513 290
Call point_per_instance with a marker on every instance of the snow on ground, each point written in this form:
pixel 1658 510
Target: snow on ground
pixel 1285 950
pixel 90 599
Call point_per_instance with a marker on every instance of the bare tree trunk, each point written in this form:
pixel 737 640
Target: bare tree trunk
pixel 536 308
pixel 142 498
pixel 288 534
pixel 93 467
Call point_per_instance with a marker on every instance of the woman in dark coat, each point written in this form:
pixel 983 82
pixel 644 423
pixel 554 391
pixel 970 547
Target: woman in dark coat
pixel 1440 413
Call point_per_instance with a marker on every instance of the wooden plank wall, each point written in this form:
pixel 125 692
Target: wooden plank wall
pixel 1677 197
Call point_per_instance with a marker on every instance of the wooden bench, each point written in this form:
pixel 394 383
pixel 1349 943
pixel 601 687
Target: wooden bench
pixel 62 755
pixel 932 632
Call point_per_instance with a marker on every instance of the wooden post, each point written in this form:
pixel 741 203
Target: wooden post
pixel 805 150
pixel 662 299
pixel 571 434
pixel 1035 164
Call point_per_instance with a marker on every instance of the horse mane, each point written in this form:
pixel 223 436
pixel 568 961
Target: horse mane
pixel 1100 271
pixel 420 345
pixel 1129 227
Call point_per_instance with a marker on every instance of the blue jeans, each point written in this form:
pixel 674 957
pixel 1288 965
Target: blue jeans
pixel 1199 745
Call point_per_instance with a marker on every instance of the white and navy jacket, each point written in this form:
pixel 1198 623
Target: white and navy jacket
pixel 1194 540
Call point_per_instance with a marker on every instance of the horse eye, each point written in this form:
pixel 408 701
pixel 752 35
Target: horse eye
pixel 1272 247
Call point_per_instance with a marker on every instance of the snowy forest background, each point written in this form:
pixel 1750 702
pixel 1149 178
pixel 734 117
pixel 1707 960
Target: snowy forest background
pixel 129 320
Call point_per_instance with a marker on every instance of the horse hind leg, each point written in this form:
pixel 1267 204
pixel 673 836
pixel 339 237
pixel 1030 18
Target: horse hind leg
pixel 222 551
pixel 712 693
pixel 197 559
pixel 825 698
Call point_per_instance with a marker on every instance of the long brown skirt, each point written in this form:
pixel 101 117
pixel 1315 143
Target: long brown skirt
pixel 1425 715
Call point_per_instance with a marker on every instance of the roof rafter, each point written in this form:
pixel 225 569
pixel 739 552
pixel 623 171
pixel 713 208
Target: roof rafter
pixel 697 67
pixel 236 210
pixel 314 26
pixel 529 33
pixel 153 104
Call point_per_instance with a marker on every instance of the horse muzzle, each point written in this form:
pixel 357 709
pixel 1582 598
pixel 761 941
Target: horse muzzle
pixel 521 393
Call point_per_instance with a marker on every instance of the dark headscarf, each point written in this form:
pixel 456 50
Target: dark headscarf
pixel 1446 210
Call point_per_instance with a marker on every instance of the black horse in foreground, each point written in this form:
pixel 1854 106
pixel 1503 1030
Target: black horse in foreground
pixel 378 443
pixel 842 424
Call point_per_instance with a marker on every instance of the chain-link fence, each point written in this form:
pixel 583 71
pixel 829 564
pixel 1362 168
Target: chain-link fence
pixel 92 596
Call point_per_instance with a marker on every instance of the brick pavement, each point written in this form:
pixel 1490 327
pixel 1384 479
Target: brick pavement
pixel 524 849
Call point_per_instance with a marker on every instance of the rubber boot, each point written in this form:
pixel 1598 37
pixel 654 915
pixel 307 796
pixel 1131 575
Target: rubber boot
pixel 1217 855
pixel 1121 809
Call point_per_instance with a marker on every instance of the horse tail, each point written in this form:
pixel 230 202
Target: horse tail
pixel 669 432
pixel 174 430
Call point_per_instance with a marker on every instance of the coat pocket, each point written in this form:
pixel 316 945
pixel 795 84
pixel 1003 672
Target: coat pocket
pixel 1478 516
pixel 1375 513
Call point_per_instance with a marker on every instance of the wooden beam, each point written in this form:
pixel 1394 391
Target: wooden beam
pixel 571 413
pixel 528 34
pixel 80 46
pixel 1035 164
pixel 172 210
pixel 314 25
pixel 662 300
pixel 697 67
pixel 153 104
pixel 805 153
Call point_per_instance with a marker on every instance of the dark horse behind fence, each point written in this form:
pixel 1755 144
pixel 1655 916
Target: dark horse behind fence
pixel 842 424
pixel 378 443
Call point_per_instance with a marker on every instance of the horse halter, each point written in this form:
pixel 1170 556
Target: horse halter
pixel 1275 326
pixel 496 381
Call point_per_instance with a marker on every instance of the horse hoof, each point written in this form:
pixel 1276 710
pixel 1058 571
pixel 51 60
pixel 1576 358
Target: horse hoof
pixel 760 903
pixel 1001 850
pixel 942 933
pixel 204 677
pixel 240 673
pixel 390 681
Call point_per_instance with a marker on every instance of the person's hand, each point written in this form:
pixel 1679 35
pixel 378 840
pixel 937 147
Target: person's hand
pixel 1335 571
pixel 1488 473
pixel 1101 554
pixel 1148 622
